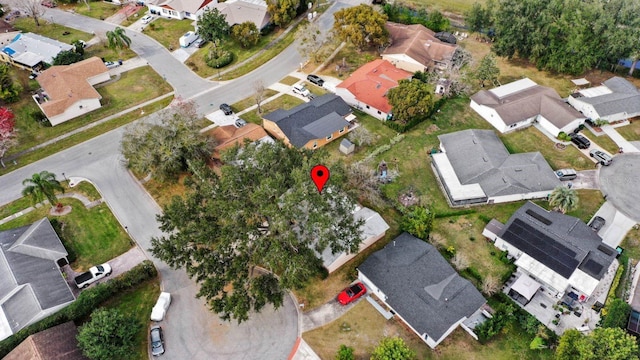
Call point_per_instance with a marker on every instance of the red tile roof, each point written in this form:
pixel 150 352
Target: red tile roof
pixel 370 83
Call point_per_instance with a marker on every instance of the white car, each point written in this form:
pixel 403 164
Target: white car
pixel 146 19
pixel 300 89
pixel 160 309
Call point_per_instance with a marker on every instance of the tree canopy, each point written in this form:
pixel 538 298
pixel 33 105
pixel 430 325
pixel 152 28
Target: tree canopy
pixel 246 34
pixel 557 37
pixel 118 39
pixel 602 343
pixel 108 335
pixel 411 99
pixel 9 91
pixel 212 24
pixel 617 314
pixel 163 149
pixel 487 70
pixel 282 11
pixel 40 186
pixel 564 199
pixel 67 57
pixel 362 26
pixel 392 348
pixel 261 212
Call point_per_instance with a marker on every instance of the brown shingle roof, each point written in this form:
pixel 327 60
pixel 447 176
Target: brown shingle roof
pixel 67 84
pixel 370 83
pixel 419 43
pixel 56 343
pixel 228 136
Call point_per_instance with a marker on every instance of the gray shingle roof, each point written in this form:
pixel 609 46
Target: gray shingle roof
pixel 421 286
pixel 568 243
pixel 316 119
pixel 478 156
pixel 29 273
pixel 625 97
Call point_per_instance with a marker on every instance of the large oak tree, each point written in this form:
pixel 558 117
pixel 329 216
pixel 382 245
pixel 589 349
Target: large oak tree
pixel 256 229
pixel 362 26
pixel 411 99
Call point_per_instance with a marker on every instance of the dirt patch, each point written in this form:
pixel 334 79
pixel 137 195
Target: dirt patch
pixel 431 129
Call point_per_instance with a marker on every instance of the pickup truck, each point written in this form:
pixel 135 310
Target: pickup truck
pixel 94 274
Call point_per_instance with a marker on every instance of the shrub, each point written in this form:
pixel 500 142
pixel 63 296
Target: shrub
pixel 345 353
pixel 402 128
pixel 219 58
pixel 87 301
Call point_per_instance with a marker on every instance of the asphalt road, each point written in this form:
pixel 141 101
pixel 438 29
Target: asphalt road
pixel 192 332
pixel 619 183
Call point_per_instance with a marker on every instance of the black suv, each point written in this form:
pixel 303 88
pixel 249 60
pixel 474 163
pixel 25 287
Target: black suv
pixel 580 141
pixel 226 109
pixel 597 223
pixel 315 79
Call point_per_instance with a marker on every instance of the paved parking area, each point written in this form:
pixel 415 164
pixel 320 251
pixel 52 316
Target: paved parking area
pixel 587 179
pixel 616 224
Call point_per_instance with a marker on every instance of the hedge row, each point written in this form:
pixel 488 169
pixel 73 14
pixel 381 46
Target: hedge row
pixel 88 300
pixel 402 128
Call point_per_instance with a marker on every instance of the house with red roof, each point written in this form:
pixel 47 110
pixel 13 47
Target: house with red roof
pixel 366 89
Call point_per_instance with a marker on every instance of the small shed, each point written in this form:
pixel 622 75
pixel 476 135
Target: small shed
pixel 347 147
pixel 581 83
pixel 443 86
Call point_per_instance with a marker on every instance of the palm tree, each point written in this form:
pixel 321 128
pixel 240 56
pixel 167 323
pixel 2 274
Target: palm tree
pixel 564 199
pixel 118 39
pixel 42 185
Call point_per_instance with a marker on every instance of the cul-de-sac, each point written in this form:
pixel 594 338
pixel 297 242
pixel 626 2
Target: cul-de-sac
pixel 322 179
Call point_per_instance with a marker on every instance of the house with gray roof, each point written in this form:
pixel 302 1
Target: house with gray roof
pixel 519 104
pixel 420 287
pixel 31 283
pixel 557 253
pixel 373 229
pixel 616 99
pixel 474 167
pixel 312 124
pixel 32 51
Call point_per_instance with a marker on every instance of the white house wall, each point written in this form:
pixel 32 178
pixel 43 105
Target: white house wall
pixel 489 114
pixel 404 62
pixel 586 109
pixel 518 197
pixel 79 108
pixel 371 287
pixel 350 99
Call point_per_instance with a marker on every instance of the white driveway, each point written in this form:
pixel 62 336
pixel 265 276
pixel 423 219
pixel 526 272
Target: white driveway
pixel 616 226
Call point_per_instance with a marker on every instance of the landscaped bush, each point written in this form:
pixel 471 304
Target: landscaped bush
pixel 87 301
pixel 402 128
pixel 616 314
pixel 491 327
pixel 219 58
pixel 472 273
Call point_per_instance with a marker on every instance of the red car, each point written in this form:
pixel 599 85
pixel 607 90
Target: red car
pixel 351 293
pixel 49 4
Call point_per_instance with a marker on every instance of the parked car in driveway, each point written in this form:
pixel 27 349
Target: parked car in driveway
pixel 597 223
pixel 226 109
pixel 601 157
pixel 160 308
pixel 157 341
pixel 300 89
pixel 92 275
pixel 351 293
pixel 199 43
pixel 240 123
pixel 315 79
pixel 146 19
pixel 111 64
pixel 566 174
pixel 49 4
pixel 580 141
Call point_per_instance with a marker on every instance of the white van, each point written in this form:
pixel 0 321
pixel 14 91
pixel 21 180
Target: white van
pixel 188 38
pixel 300 89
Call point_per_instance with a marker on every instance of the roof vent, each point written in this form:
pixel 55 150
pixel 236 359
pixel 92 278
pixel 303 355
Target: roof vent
pixel 378 85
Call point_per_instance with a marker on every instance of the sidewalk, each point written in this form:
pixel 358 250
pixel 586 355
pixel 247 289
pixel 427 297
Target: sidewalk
pixel 618 139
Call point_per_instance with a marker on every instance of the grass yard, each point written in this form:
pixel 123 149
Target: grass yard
pixel 96 10
pixel 137 304
pixel 80 137
pixel 458 7
pixel 168 31
pixel 93 235
pixel 348 59
pixel 250 101
pixel 134 17
pixel 630 132
pixel 282 102
pixel 289 80
pixel 531 139
pixel 363 327
pixel 162 193
pixel 603 140
pixel 315 89
pixel 133 87
pixel 631 243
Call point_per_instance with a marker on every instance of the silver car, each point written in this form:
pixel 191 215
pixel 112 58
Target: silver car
pixel 601 157
pixel 157 341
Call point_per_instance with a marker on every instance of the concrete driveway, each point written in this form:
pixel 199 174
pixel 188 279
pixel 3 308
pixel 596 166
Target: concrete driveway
pixel 616 226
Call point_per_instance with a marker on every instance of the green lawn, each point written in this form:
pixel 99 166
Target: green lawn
pixel 630 132
pixel 250 101
pixel 98 10
pixel 93 235
pixel 363 327
pixel 138 304
pixel 289 80
pixel 80 137
pixel 458 7
pixel 133 87
pixel 283 102
pixel 134 17
pixel 168 31
pixel 603 140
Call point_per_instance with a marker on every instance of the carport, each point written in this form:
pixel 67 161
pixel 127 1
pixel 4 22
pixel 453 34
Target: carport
pixel 526 287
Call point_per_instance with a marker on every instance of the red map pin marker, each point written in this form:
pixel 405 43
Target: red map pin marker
pixel 320 176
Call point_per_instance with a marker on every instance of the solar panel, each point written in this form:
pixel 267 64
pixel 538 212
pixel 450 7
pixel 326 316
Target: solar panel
pixel 541 247
pixel 538 217
pixel 605 249
pixel 592 268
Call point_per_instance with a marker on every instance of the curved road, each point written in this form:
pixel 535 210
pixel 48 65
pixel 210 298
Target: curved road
pixel 192 331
